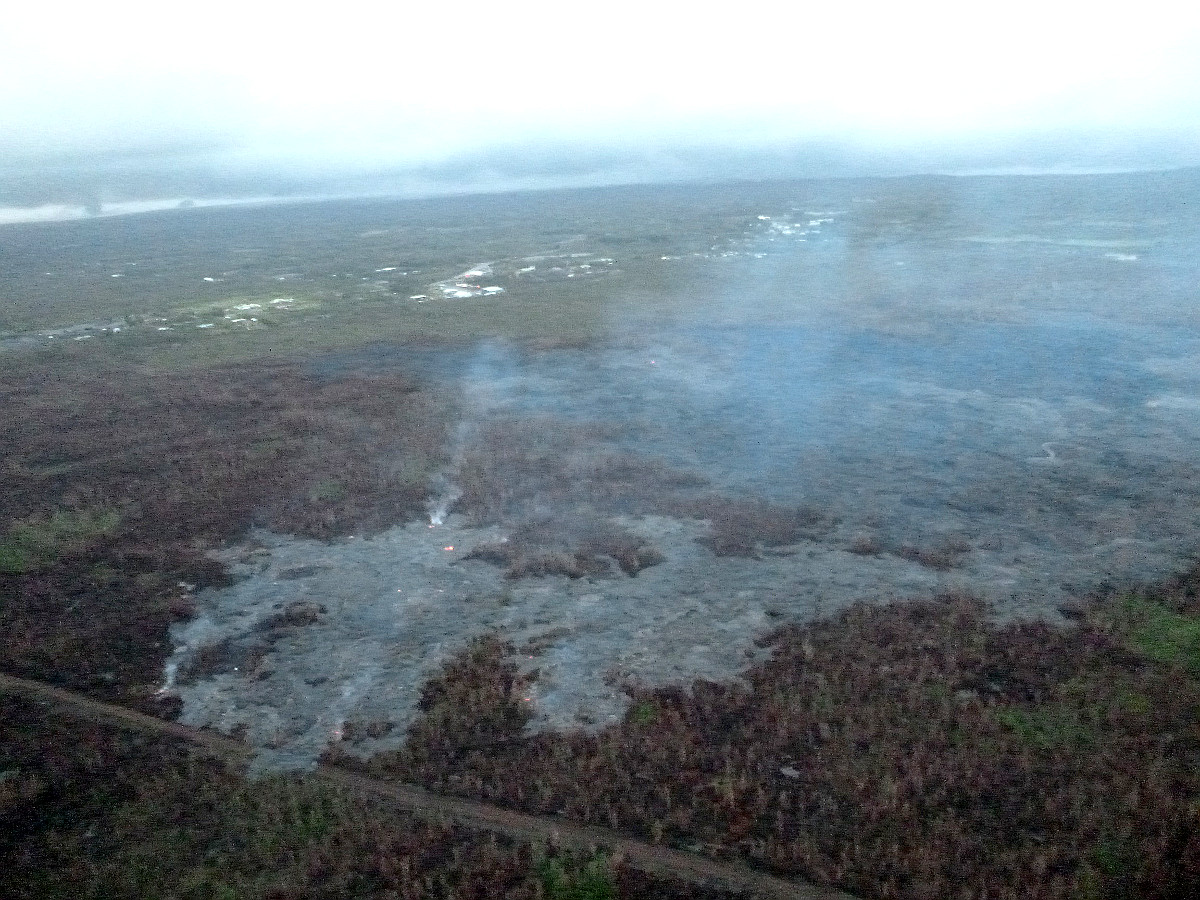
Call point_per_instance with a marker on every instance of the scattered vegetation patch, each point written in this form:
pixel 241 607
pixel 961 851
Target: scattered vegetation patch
pixel 573 550
pixel 630 552
pixel 865 545
pixel 526 562
pixel 945 555
pixel 570 565
pixel 355 732
pixel 296 614
pixel 746 527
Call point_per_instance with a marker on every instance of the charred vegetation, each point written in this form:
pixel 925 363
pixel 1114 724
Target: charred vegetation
pixel 571 549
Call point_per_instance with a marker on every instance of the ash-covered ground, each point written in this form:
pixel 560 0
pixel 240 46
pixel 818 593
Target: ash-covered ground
pixel 845 410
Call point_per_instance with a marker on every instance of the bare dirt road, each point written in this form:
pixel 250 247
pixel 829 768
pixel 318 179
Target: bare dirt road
pixel 657 861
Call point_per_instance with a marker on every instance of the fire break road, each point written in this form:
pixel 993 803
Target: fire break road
pixel 657 861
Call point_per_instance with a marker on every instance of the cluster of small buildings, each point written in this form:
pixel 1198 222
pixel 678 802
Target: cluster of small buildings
pixel 459 291
pixel 464 286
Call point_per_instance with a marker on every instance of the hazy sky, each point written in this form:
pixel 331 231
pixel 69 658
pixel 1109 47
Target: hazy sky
pixel 355 83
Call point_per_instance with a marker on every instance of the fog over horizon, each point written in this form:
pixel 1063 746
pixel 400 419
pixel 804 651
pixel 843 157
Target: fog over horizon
pixel 128 101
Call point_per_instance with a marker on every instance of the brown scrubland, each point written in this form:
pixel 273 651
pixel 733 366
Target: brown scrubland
pixel 907 750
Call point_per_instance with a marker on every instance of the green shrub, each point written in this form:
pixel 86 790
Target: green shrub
pixel 643 713
pixel 1161 634
pixel 564 879
pixel 328 491
pixel 1048 726
pixel 35 543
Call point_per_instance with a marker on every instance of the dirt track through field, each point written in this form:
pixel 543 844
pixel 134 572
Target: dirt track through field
pixel 656 861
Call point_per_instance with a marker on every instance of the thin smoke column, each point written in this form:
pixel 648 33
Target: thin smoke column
pixel 485 389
